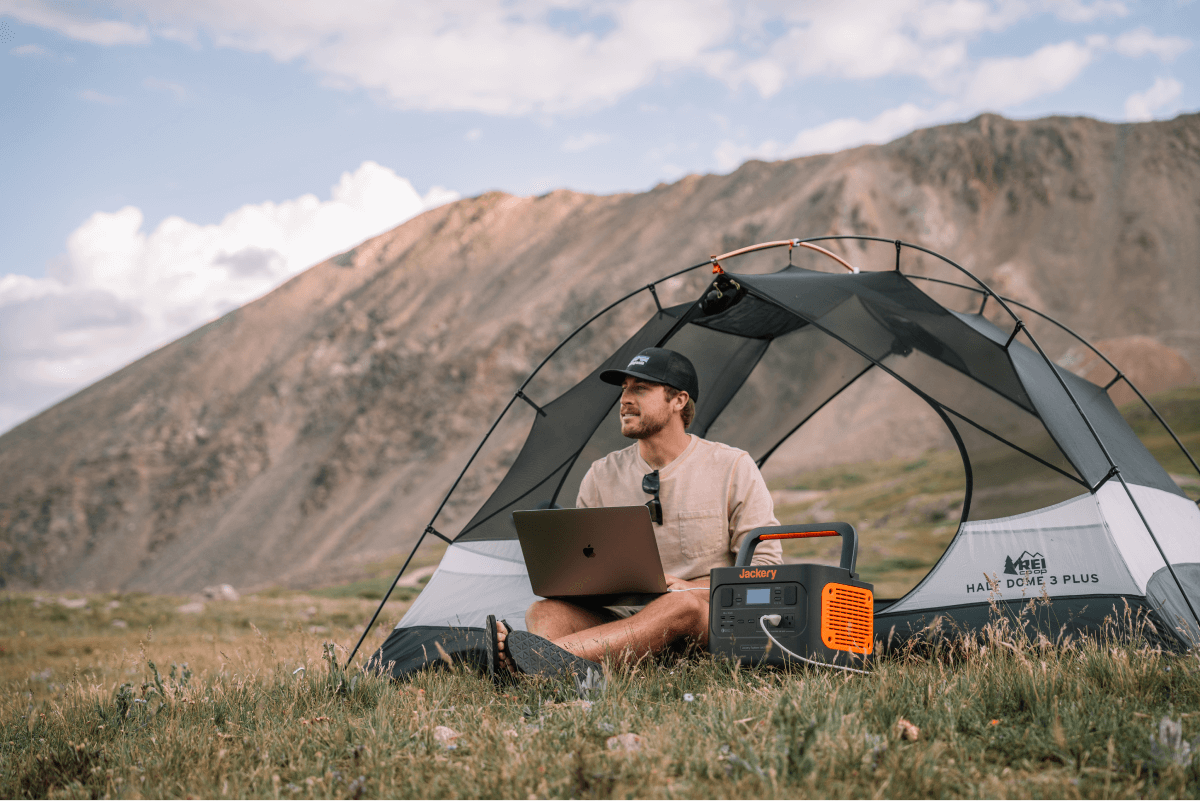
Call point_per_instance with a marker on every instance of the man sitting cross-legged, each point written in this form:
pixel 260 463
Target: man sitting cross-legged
pixel 706 497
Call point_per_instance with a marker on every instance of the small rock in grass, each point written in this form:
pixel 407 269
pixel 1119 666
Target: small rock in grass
pixel 120 624
pixel 625 742
pixel 445 736
pixel 907 730
pixel 73 603
pixel 220 592
pixel 193 608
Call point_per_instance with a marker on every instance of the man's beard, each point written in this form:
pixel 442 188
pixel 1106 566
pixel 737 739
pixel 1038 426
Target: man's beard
pixel 644 428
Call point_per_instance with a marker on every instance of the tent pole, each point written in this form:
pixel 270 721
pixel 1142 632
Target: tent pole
pixel 1113 465
pixel 482 442
pixel 386 595
pixel 936 255
pixel 1161 553
pixel 1089 346
pixel 536 370
pixel 763 459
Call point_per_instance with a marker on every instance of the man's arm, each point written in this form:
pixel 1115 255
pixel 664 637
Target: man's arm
pixel 589 495
pixel 751 507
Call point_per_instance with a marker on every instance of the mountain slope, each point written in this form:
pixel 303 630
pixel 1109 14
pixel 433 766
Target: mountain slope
pixel 317 428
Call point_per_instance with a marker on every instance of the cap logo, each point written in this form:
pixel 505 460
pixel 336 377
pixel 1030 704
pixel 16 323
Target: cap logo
pixel 638 360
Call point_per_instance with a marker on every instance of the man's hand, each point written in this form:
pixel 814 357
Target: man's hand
pixel 676 583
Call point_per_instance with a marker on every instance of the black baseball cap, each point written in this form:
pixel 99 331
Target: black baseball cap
pixel 659 366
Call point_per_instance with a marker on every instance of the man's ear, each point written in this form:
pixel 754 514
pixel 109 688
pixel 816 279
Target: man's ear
pixel 680 400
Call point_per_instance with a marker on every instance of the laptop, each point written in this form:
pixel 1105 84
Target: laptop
pixel 608 552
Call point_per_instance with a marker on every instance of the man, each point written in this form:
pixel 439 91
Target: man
pixel 706 497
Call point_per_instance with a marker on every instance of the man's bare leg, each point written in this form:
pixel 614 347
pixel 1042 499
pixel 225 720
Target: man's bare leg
pixel 663 621
pixel 550 618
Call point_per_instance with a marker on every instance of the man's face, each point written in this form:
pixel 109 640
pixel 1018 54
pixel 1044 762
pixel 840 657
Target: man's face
pixel 645 409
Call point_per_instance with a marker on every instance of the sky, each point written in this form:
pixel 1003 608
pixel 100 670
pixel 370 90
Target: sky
pixel 166 161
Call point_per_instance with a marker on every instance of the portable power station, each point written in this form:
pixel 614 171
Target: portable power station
pixel 821 614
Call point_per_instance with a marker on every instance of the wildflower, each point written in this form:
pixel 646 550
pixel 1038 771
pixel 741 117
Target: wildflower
pixel 445 736
pixel 994 722
pixel 1169 746
pixel 625 742
pixel 907 730
pixel 688 697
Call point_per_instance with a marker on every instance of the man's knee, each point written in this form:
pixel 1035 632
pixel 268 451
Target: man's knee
pixel 538 615
pixel 551 618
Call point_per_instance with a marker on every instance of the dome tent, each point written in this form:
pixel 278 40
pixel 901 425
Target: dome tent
pixel 1060 495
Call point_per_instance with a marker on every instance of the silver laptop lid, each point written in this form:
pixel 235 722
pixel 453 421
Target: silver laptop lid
pixel 607 550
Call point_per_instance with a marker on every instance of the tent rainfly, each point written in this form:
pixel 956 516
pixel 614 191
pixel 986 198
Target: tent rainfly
pixel 1060 494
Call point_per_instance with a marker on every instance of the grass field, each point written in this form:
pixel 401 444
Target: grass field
pixel 127 695
pixel 214 704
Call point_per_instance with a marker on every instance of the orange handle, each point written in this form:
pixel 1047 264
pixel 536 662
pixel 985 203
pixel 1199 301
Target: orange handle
pixel 792 535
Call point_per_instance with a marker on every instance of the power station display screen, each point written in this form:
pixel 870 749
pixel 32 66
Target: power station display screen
pixel 758 596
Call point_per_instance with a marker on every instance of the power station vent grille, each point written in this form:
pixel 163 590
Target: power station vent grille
pixel 848 618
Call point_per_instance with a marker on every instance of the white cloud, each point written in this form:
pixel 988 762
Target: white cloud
pixel 995 84
pixel 1003 82
pixel 92 96
pixel 473 135
pixel 584 141
pixel 57 18
pixel 870 39
pixel 158 85
pixel 1140 41
pixel 123 291
pixel 30 51
pixel 837 135
pixel 494 56
pixel 1078 11
pixel 1141 106
pixel 514 57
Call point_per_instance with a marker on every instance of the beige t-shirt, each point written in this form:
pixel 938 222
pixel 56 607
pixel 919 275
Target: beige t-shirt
pixel 712 495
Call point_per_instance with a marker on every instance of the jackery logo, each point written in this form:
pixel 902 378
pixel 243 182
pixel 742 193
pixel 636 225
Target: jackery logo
pixel 638 360
pixel 1026 563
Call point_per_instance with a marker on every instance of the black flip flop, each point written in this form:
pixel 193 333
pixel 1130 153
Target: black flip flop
pixel 539 656
pixel 493 650
pixel 497 672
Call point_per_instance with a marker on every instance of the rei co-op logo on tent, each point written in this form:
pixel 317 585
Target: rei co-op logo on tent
pixel 1026 563
pixel 1030 570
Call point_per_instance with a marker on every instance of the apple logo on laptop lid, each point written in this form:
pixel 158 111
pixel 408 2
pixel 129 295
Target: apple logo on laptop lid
pixel 589 551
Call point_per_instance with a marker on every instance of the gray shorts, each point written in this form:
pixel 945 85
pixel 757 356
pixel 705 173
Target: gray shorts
pixel 611 613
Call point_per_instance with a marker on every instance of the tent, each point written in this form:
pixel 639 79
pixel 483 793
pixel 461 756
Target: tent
pixel 1060 494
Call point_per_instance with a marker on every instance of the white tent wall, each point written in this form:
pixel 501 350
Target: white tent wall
pixel 474 580
pixel 1071 549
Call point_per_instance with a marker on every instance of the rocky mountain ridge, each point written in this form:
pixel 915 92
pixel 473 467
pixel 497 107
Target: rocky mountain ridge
pixel 311 431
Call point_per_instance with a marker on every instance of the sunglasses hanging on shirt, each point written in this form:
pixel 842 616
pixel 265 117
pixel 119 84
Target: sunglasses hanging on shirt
pixel 651 486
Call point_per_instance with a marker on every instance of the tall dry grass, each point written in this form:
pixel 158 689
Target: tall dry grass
pixel 262 709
